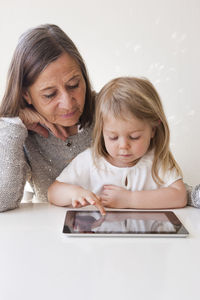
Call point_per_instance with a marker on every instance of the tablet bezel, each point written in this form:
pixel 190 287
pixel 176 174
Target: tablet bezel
pixel 181 232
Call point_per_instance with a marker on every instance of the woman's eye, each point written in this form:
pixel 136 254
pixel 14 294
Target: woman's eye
pixel 72 87
pixel 50 96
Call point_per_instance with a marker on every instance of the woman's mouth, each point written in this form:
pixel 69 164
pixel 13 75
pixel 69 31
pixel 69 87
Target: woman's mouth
pixel 69 115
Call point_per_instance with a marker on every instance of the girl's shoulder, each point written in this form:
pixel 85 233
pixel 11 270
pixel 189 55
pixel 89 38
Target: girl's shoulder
pixel 146 160
pixel 85 155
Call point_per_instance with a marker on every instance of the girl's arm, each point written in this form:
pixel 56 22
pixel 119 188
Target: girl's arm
pixel 64 194
pixel 173 196
pixel 13 165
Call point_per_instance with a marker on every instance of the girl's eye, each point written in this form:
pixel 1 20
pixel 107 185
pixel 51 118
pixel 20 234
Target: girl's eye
pixel 134 138
pixel 50 96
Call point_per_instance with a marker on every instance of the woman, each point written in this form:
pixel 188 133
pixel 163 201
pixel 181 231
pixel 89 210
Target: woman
pixel 48 92
pixel 46 114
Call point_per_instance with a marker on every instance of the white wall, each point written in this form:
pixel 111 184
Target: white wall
pixel 158 39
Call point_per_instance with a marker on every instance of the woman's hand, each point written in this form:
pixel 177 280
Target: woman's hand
pixel 115 196
pixel 34 121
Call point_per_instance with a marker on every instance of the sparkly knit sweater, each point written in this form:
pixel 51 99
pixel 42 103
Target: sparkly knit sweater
pixel 27 156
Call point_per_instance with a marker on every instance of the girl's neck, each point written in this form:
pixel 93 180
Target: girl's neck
pixel 119 164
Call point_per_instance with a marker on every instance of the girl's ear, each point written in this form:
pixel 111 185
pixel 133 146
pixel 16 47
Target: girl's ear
pixel 27 97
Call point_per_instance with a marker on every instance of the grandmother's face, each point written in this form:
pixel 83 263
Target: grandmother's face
pixel 58 94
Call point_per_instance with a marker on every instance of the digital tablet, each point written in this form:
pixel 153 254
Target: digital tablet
pixel 123 223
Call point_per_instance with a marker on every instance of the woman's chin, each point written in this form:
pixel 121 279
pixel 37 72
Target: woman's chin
pixel 67 123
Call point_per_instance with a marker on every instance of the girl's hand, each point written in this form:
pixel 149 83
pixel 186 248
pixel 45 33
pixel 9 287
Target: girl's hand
pixel 34 121
pixel 84 197
pixel 115 196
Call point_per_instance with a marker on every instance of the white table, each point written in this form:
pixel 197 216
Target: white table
pixel 39 262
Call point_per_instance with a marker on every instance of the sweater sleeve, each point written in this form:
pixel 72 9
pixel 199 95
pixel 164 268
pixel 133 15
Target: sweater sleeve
pixel 13 165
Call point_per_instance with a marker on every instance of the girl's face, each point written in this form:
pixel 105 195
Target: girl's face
pixel 58 93
pixel 126 141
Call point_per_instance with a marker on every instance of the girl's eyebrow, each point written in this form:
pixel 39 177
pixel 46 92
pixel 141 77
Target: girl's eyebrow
pixel 111 131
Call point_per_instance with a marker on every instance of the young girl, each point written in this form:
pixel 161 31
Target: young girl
pixel 130 164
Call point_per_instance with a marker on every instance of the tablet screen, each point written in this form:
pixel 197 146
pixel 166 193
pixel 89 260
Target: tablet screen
pixel 122 222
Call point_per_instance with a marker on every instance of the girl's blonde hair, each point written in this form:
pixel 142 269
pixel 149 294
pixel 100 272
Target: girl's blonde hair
pixel 129 95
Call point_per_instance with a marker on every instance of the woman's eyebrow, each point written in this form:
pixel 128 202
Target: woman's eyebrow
pixel 52 87
pixel 74 77
pixel 47 88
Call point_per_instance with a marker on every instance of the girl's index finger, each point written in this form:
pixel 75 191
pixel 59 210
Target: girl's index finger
pixel 100 207
pixel 96 202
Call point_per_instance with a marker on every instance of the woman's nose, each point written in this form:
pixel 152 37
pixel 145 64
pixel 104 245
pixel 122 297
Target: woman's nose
pixel 65 101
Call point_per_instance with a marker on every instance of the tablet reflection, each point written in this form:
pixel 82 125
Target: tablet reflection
pixel 122 222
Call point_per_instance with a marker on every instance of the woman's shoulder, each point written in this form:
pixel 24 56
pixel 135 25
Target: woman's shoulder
pixel 13 127
pixel 11 122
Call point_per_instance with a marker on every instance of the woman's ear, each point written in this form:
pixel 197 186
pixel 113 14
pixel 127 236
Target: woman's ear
pixel 27 97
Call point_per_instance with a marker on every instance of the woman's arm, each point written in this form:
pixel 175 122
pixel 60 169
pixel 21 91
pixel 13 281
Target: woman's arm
pixel 64 194
pixel 173 196
pixel 13 165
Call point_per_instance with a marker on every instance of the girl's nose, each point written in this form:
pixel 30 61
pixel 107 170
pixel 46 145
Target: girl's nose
pixel 65 101
pixel 124 143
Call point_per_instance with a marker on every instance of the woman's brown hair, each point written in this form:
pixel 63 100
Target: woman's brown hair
pixel 36 49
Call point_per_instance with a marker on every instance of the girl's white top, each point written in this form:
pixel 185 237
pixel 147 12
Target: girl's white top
pixel 83 172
